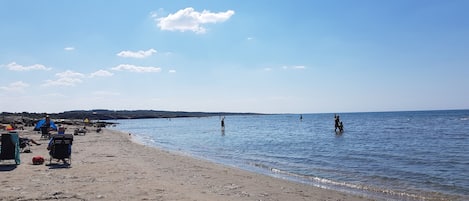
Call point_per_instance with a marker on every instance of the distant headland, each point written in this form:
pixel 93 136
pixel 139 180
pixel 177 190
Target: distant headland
pixel 102 114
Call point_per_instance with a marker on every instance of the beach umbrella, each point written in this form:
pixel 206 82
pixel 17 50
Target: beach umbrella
pixel 42 122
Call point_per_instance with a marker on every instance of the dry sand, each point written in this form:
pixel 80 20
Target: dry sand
pixel 109 166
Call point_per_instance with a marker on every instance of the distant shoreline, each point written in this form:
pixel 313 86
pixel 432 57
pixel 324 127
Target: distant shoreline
pixel 118 114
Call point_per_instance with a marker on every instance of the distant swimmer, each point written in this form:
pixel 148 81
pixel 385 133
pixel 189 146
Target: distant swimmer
pixel 336 121
pixel 223 123
pixel 301 117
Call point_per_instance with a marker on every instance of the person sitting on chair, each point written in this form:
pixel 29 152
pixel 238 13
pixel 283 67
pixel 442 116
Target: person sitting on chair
pixel 51 145
pixel 62 130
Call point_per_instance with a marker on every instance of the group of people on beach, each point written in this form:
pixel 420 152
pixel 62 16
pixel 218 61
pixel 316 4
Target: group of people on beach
pixel 46 127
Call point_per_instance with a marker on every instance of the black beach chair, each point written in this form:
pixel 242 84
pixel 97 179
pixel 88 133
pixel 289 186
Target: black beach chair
pixel 10 149
pixel 61 148
pixel 45 133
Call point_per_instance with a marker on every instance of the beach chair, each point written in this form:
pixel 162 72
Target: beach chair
pixel 10 149
pixel 79 131
pixel 45 133
pixel 61 148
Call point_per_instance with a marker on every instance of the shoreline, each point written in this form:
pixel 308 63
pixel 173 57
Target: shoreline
pixel 111 166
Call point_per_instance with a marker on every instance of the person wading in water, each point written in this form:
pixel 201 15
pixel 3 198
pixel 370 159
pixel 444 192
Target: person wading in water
pixel 338 124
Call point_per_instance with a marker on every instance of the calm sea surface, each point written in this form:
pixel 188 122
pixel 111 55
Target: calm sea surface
pixel 385 155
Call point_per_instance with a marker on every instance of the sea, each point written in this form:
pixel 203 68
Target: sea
pixel 414 155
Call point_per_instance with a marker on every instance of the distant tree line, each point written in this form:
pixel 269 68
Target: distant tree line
pixel 118 114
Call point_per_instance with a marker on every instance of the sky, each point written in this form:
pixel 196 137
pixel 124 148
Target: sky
pixel 299 56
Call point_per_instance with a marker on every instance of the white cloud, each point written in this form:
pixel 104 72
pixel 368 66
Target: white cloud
pixel 299 67
pixel 69 48
pixel 66 78
pixel 17 67
pixel 294 67
pixel 64 81
pixel 190 20
pixel 137 69
pixel 172 71
pixel 139 54
pixel 101 73
pixel 69 73
pixel 18 86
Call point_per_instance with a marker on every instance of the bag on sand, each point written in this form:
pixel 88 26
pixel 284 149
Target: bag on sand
pixel 38 160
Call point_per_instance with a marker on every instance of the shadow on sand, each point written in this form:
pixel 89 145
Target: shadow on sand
pixel 7 167
pixel 58 165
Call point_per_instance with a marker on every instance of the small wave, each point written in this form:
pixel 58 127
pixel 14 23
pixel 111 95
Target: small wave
pixel 142 139
pixel 464 119
pixel 353 188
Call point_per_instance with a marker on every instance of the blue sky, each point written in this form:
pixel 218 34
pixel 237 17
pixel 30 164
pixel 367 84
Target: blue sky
pixel 231 56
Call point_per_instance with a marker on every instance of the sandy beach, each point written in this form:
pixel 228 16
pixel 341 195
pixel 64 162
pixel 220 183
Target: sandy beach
pixel 110 166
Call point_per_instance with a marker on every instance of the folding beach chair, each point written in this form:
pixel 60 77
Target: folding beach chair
pixel 45 133
pixel 61 148
pixel 10 149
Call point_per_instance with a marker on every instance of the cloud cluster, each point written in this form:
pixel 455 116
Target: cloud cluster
pixel 136 69
pixel 101 73
pixel 67 78
pixel 138 55
pixel 133 68
pixel 71 78
pixel 183 20
pixel 190 20
pixel 17 67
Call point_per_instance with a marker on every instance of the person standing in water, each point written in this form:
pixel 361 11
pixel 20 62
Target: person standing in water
pixel 223 123
pixel 336 122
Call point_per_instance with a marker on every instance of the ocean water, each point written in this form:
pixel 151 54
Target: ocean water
pixel 420 155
